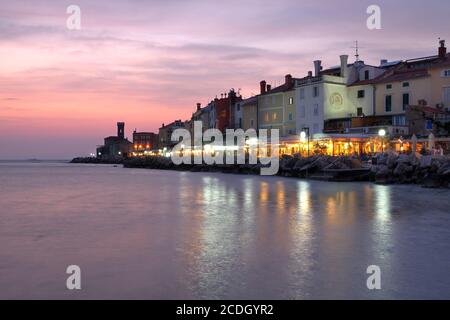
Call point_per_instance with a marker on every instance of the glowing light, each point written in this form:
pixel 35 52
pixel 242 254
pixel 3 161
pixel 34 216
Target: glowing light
pixel 252 141
pixel 382 133
pixel 226 148
pixel 302 136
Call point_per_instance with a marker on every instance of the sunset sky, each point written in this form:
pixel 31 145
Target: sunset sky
pixel 149 62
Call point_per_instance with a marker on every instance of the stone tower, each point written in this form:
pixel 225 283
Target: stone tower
pixel 121 130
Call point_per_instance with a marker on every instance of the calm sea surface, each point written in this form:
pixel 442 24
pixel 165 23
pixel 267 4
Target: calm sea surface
pixel 171 235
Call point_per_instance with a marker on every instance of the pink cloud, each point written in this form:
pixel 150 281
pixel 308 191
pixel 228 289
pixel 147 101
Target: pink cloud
pixel 150 62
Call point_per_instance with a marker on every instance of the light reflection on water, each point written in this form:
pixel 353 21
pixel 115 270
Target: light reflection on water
pixel 159 234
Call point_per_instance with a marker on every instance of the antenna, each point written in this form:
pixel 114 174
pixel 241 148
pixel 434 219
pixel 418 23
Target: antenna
pixel 357 47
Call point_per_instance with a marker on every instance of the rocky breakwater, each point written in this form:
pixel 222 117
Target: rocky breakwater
pixel 428 171
pixel 315 166
pixel 94 160
pixel 164 163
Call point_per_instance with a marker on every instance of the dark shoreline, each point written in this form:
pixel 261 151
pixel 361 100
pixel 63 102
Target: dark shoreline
pixel 427 171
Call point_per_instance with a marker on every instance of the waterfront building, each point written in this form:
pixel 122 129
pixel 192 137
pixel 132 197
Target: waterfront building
pixel 415 82
pixel 422 120
pixel 327 102
pixel 276 107
pixel 237 115
pixel 144 142
pixel 165 134
pixel 223 110
pixel 250 113
pixel 115 147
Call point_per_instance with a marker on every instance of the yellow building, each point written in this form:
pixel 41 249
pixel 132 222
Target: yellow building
pixel 277 107
pixel 440 84
pixel 422 81
pixel 400 88
pixel 250 113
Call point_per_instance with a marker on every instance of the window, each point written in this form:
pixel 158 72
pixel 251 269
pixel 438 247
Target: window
pixel 266 117
pixel 405 101
pixel 240 122
pixel 315 92
pixel 367 75
pixel 405 84
pixel 316 110
pixel 315 128
pixel 303 111
pixel 446 95
pixel 291 101
pixel 359 112
pixel 251 123
pixel 399 121
pixel 388 104
pixel 238 107
pixel 274 116
pixel 290 116
pixel 302 93
pixel 389 86
pixel 361 93
pixel 446 73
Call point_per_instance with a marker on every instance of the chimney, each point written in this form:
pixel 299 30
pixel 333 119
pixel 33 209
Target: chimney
pixel 121 130
pixel 310 74
pixel 344 65
pixel 263 86
pixel 199 106
pixel 383 62
pixel 288 80
pixel 317 67
pixel 442 49
pixel 269 87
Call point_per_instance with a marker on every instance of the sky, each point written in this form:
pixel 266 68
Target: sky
pixel 149 62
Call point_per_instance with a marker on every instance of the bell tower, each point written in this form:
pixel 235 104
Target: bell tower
pixel 121 130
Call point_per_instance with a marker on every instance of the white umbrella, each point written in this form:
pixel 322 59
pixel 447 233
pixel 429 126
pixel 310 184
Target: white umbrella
pixel 431 142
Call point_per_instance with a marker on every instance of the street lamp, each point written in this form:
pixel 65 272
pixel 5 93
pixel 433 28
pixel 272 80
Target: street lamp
pixel 382 134
pixel 305 134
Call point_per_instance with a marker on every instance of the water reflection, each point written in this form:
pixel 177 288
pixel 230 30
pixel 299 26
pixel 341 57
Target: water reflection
pixel 195 235
pixel 382 203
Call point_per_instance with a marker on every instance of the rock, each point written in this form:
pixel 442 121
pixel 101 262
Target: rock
pixel 425 161
pixel 382 175
pixel 444 170
pixel 392 160
pixel 432 180
pixel 382 159
pixel 404 158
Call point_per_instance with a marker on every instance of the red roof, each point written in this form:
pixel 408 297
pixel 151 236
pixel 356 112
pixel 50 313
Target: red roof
pixel 395 75
pixel 429 109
